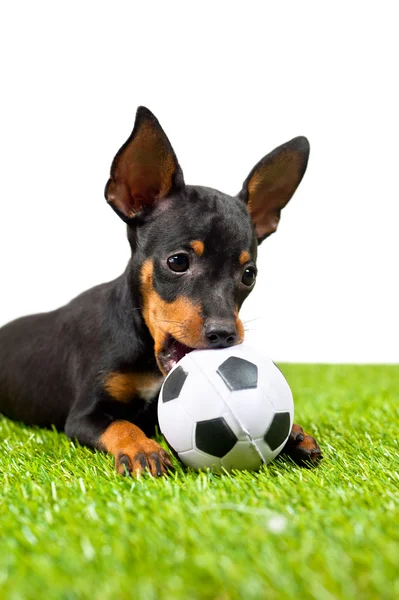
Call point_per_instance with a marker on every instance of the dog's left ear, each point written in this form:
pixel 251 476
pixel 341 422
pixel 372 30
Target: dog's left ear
pixel 144 171
pixel 272 183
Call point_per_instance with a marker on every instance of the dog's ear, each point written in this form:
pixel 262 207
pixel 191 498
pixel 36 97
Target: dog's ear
pixel 272 182
pixel 145 169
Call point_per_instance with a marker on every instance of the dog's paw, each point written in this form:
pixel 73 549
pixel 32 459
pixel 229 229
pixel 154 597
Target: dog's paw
pixel 148 456
pixel 302 448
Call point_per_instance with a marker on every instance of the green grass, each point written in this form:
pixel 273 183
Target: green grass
pixel 71 528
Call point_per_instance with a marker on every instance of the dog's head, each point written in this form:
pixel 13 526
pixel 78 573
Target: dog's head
pixel 194 247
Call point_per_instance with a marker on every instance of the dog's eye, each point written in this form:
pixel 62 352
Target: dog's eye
pixel 249 276
pixel 178 263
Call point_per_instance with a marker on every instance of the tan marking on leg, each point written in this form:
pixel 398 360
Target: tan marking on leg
pixel 120 436
pixel 198 247
pixel 133 450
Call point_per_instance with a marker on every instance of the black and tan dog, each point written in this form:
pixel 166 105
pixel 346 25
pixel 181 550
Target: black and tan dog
pixel 93 368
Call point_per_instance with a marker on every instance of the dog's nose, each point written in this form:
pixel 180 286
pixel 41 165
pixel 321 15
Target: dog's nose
pixel 220 334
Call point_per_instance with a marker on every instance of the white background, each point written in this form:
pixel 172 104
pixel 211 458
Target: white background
pixel 228 82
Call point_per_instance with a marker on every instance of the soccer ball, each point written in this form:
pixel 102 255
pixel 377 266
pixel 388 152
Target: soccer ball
pixel 228 408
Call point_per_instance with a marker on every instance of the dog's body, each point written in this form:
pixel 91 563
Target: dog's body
pixel 94 367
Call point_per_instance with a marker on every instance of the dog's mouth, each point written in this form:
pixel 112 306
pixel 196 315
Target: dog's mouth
pixel 172 351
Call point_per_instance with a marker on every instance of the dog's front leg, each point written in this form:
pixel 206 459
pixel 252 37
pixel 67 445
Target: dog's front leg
pixel 302 448
pixel 134 452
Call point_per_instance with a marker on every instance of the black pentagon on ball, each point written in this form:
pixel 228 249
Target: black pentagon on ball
pixel 173 384
pixel 214 437
pixel 238 373
pixel 278 431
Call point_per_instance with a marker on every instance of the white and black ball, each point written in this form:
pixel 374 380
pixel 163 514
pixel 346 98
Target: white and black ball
pixel 229 408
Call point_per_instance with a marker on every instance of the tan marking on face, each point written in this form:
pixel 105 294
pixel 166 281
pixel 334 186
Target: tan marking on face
pixel 240 328
pixel 244 257
pixel 198 247
pixel 125 386
pixel 181 318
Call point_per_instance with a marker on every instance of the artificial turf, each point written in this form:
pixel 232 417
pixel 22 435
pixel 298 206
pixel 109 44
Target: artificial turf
pixel 71 528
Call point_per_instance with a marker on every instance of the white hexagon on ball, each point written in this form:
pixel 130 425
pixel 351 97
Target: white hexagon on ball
pixel 230 408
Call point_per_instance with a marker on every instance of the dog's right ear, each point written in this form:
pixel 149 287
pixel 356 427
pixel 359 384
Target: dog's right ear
pixel 144 171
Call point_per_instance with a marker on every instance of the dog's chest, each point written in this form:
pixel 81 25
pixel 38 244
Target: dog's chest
pixel 125 387
pixel 148 389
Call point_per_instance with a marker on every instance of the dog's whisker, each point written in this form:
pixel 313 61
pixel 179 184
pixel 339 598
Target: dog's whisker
pixel 250 320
